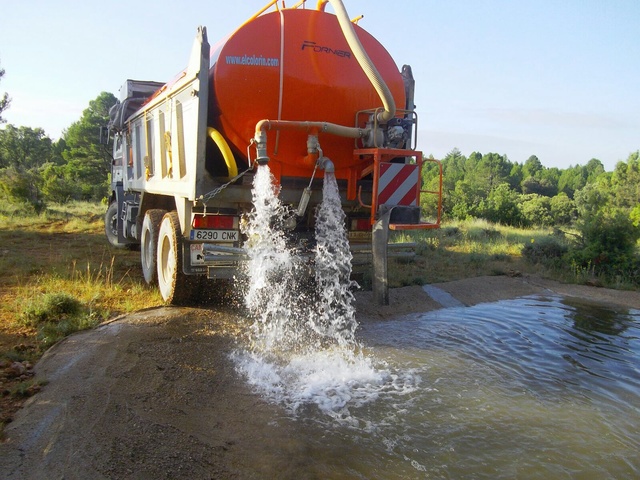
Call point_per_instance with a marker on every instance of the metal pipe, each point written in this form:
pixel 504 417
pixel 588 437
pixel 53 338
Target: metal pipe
pixel 324 127
pixel 260 12
pixel 213 258
pixel 326 164
pixel 211 247
pixel 262 126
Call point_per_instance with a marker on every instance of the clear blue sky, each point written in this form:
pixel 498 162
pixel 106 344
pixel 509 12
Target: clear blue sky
pixel 559 79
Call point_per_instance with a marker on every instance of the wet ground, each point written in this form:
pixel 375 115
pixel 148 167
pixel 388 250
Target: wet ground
pixel 155 395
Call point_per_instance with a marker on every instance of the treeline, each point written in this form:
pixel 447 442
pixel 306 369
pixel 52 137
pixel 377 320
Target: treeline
pixel 35 170
pixel 596 213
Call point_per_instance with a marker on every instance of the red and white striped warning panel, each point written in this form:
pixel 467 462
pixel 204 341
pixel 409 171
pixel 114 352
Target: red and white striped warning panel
pixel 398 184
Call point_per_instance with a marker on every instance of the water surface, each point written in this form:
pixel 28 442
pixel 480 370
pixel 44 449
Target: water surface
pixel 537 387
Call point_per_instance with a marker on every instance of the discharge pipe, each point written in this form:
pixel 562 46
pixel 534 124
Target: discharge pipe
pixel 311 127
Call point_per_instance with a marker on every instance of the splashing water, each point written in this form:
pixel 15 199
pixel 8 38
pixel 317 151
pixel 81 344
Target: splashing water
pixel 335 317
pixel 272 269
pixel 303 346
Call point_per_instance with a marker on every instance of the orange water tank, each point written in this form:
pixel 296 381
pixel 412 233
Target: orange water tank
pixel 295 64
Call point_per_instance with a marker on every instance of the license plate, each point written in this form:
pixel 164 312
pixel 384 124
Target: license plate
pixel 215 235
pixel 360 236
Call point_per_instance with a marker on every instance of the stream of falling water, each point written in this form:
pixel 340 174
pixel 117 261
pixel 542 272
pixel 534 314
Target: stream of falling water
pixel 303 346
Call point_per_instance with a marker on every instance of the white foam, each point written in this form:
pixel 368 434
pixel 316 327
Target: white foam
pixel 333 380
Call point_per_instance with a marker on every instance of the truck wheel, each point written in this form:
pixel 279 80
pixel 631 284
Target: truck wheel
pixel 149 243
pixel 111 225
pixel 174 284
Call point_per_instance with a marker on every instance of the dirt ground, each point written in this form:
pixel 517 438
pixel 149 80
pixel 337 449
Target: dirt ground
pixel 155 395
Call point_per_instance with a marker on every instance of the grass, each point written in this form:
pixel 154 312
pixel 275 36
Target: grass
pixel 64 250
pixel 63 254
pixel 58 275
pixel 467 249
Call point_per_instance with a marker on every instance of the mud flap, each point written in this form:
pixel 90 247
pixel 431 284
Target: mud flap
pixel 379 242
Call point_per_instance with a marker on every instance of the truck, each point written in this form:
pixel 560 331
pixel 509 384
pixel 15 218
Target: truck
pixel 300 89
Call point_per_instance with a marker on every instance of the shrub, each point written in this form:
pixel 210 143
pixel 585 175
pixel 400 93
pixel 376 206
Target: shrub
pixel 51 307
pixel 546 251
pixel 501 206
pixel 608 245
pixel 57 315
pixel 22 186
pixel 536 210
pixel 563 209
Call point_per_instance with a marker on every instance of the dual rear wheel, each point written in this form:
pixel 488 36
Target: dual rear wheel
pixel 161 256
pixel 161 247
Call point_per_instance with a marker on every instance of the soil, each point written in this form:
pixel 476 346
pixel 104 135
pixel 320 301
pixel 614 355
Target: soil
pixel 155 394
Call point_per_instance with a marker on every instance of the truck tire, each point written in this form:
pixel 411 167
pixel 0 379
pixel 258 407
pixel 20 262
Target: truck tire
pixel 149 243
pixel 175 286
pixel 111 225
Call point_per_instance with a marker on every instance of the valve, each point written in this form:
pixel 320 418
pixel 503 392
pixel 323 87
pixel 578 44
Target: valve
pixel 325 164
pixel 261 148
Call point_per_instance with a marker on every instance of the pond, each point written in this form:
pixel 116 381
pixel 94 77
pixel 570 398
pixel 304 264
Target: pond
pixel 536 387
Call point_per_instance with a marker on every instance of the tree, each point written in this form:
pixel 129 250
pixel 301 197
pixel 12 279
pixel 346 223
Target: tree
pixel 454 171
pixel 22 186
pixel 453 167
pixel 536 209
pixel 465 200
pixel 516 175
pixel 87 161
pixel 532 167
pixel 594 169
pixel 491 170
pixel 59 184
pixel 23 151
pixel 591 199
pixel 501 206
pixel 572 179
pixel 5 101
pixel 24 147
pixel 551 176
pixel 563 209
pixel 608 240
pixel 539 186
pixel 625 182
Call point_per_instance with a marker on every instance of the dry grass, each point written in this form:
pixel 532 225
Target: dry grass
pixel 47 263
pixel 461 250
pixel 63 250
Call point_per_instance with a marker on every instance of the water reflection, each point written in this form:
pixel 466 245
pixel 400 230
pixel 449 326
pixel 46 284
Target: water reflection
pixel 592 318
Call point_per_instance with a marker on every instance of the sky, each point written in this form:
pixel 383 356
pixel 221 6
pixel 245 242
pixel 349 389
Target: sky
pixel 559 79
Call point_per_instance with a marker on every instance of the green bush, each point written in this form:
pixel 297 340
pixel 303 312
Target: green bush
pixel 57 315
pixel 547 251
pixel 563 209
pixel 501 206
pixel 51 308
pixel 536 210
pixel 22 186
pixel 608 243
